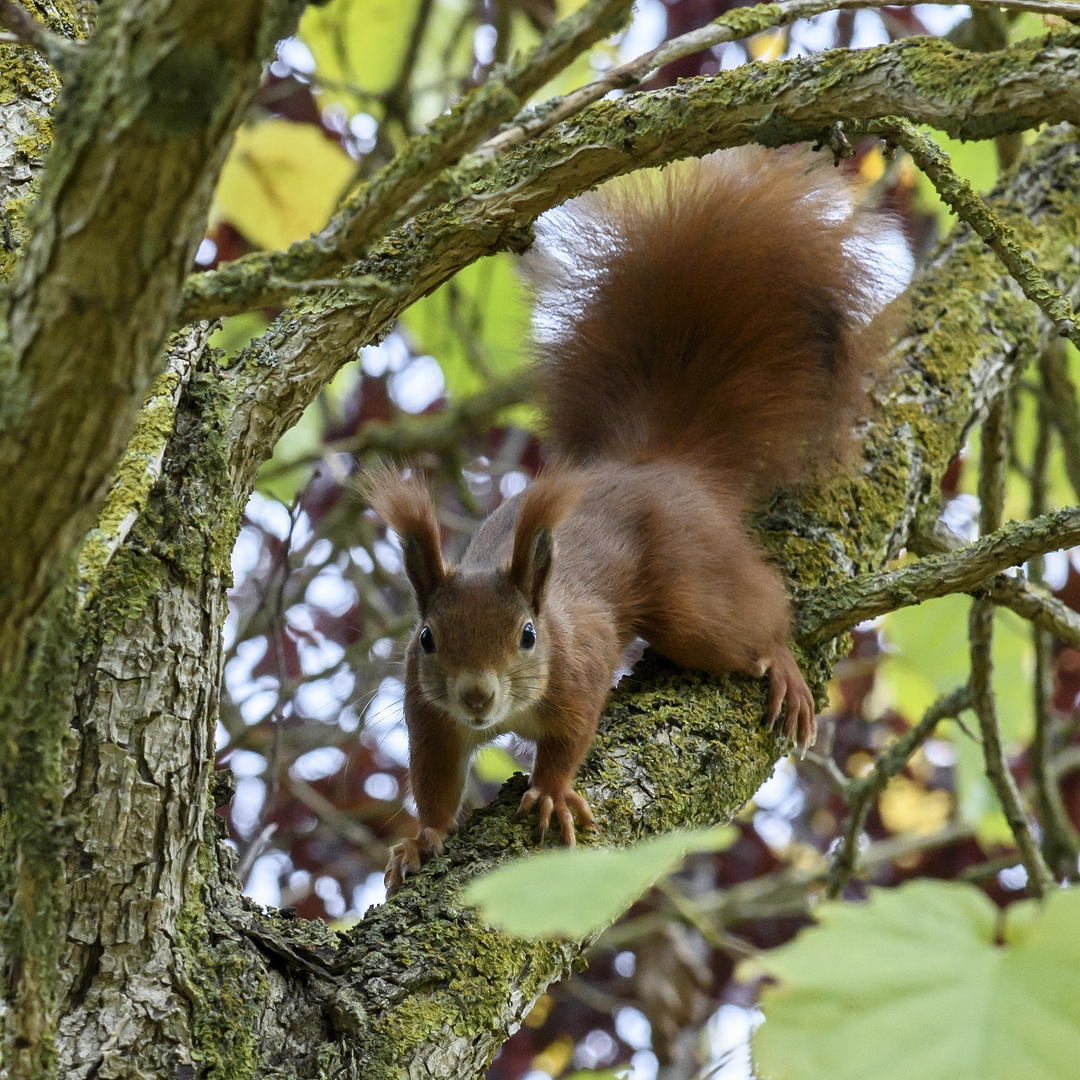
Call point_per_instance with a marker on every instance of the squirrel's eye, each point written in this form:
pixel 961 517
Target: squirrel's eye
pixel 528 636
pixel 427 642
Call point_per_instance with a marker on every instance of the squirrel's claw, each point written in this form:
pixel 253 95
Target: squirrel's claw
pixel 565 804
pixel 407 857
pixel 786 684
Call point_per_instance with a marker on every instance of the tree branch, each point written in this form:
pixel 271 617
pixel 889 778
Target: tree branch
pixel 981 632
pixel 733 25
pixel 826 612
pixel 251 282
pixel 957 194
pixel 969 95
pixel 859 794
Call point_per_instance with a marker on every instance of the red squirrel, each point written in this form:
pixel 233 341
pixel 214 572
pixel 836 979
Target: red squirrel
pixel 701 337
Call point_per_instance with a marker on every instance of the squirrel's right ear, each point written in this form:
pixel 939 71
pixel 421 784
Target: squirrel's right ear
pixel 405 505
pixel 551 499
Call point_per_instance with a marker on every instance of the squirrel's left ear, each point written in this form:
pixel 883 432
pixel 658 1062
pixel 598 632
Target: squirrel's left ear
pixel 551 499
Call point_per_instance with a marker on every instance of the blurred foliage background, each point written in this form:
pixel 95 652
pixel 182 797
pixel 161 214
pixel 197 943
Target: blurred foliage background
pixel 311 718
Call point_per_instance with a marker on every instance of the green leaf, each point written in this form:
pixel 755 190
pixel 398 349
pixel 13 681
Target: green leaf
pixel 473 325
pixel 913 986
pixel 571 893
pixel 930 657
pixel 281 182
pixel 359 43
pixel 931 640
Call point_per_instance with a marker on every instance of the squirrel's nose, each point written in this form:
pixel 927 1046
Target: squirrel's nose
pixel 477 696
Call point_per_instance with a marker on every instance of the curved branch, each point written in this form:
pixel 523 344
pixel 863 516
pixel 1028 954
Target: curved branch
pixel 490 203
pixel 827 612
pixel 1037 606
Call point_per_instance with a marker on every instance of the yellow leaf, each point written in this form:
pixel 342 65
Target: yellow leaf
pixel 555 1056
pixel 767 45
pixel 906 807
pixel 281 182
pixel 872 165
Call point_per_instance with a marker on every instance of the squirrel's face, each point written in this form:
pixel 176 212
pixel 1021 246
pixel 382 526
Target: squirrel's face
pixel 481 654
pixel 482 650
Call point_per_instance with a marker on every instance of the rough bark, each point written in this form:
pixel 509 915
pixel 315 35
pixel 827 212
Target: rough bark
pixel 141 127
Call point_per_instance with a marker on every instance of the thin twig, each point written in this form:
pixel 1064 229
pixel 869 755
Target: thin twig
pixel 1061 402
pixel 689 912
pixel 981 632
pixel 731 26
pixel 356 832
pixel 26 30
pixel 1036 605
pixel 1060 844
pixel 958 195
pixel 254 849
pixel 826 612
pixel 407 435
pixel 859 794
pixel 396 99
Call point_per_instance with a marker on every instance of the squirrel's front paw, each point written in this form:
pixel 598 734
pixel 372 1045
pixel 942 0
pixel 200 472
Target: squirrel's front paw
pixel 407 857
pixel 565 804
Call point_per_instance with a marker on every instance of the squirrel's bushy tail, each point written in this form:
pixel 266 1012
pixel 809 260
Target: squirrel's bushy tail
pixel 719 310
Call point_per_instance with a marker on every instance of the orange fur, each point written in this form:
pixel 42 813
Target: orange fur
pixel 715 311
pixel 703 338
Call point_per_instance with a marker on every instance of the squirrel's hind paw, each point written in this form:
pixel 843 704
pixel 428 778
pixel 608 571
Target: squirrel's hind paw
pixel 565 804
pixel 786 684
pixel 407 857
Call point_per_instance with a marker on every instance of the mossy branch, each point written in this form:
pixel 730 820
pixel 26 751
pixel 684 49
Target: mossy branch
pixel 741 22
pixel 958 195
pixel 488 206
pixel 829 611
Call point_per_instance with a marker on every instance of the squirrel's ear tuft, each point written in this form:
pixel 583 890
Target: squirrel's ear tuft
pixel 405 505
pixel 549 501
